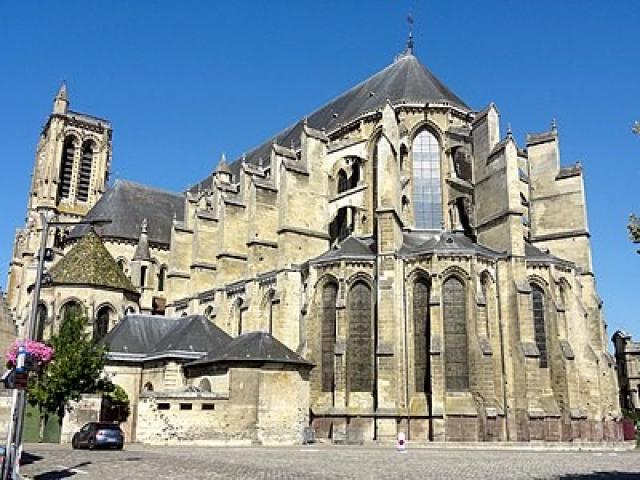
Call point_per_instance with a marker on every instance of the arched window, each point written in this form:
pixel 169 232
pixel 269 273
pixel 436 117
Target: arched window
pixel 421 334
pixel 162 275
pixel 205 385
pixel 41 318
pixel 238 313
pixel 328 318
pixel 66 168
pixel 427 190
pixel 343 181
pixel 143 276
pixel 342 225
pixel 456 352
pixel 102 322
pixel 360 341
pixel 148 387
pixel 355 174
pixel 269 305
pixel 208 312
pixel 130 311
pixel 71 309
pixel 122 263
pixel 84 174
pixel 539 330
pixel 483 308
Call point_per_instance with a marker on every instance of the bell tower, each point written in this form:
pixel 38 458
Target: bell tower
pixel 72 161
pixel 70 174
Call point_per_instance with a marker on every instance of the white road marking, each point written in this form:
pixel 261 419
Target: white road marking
pixel 72 470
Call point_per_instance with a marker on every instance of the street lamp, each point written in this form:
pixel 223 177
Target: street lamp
pixel 14 435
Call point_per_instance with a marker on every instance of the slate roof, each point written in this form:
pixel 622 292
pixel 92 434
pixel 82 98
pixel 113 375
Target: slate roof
pixel 352 247
pixel 535 254
pixel 127 204
pixel 417 243
pixel 90 263
pixel 144 337
pixel 406 80
pixel 258 347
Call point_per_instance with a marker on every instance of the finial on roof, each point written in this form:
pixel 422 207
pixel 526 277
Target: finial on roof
pixel 554 125
pixel 222 165
pixel 509 131
pixel 61 102
pixel 142 252
pixel 144 225
pixel 62 91
pixel 410 39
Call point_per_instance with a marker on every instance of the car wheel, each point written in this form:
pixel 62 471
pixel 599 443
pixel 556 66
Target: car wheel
pixel 119 447
pixel 92 444
pixel 74 443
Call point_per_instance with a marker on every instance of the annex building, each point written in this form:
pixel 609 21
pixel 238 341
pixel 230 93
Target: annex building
pixel 391 262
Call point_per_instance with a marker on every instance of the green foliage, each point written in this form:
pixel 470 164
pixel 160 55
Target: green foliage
pixel 634 228
pixel 76 368
pixel 117 403
pixel 636 128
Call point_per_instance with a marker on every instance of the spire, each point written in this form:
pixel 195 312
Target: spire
pixel 222 165
pixel 409 50
pixel 142 249
pixel 61 101
pixel 554 125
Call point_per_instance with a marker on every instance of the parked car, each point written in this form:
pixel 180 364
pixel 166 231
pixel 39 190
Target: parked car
pixel 2 457
pixel 98 434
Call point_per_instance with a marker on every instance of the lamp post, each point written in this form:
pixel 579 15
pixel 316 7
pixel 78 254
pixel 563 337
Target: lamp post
pixel 14 436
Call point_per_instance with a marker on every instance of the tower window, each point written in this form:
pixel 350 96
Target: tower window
pixel 66 168
pixel 143 276
pixel 427 191
pixel 161 278
pixel 84 175
pixel 343 181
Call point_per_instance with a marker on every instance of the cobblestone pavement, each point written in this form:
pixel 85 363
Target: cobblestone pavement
pixel 324 462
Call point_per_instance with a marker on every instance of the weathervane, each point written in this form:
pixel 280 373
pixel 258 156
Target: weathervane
pixel 410 39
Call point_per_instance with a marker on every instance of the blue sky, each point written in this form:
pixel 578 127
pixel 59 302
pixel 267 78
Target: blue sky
pixel 184 81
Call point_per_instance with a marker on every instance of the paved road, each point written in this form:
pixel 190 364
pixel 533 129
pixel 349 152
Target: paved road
pixel 317 462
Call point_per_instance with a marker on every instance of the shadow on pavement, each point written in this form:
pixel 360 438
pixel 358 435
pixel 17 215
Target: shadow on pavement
pixel 53 475
pixel 29 458
pixel 601 476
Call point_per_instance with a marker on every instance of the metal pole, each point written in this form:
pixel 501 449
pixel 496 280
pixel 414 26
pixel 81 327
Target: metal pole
pixel 20 396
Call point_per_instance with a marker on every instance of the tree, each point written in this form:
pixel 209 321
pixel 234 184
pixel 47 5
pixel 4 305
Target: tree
pixel 76 369
pixel 634 222
pixel 636 128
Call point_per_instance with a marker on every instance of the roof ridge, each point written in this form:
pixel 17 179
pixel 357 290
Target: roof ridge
pixel 119 181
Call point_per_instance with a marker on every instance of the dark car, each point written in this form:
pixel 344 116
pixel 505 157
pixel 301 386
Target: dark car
pixel 98 434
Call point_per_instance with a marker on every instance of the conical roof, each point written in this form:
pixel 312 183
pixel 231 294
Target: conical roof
pixel 90 263
pixel 406 80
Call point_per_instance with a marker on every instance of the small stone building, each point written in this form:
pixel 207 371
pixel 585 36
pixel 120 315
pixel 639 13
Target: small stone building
pixel 189 382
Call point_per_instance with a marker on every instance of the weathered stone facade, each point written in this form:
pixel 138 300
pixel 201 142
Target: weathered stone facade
pixel 628 363
pixel 436 274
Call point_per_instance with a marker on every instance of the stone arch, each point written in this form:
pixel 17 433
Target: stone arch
pixel 425 125
pixel 457 271
pixel 361 277
pixel 267 308
pixel 417 273
pixel 71 306
pixel 538 280
pixel 238 306
pixel 148 387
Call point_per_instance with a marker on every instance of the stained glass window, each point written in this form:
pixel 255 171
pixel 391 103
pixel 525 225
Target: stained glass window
pixel 537 297
pixel 455 336
pixel 421 333
pixel 360 342
pixel 427 191
pixel 329 298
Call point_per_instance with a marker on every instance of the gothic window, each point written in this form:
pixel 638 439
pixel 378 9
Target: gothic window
pixel 427 194
pixel 162 275
pixel 354 179
pixel 483 313
pixel 66 168
pixel 329 299
pixel 148 387
pixel 360 341
pixel 101 325
pixel 343 181
pixel 238 314
pixel 84 175
pixel 455 336
pixel 421 333
pixel 539 330
pixel 41 318
pixel 71 309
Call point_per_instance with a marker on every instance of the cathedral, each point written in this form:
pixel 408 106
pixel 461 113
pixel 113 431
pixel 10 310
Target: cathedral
pixel 390 263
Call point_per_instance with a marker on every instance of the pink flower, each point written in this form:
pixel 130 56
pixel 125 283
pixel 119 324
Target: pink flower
pixel 41 354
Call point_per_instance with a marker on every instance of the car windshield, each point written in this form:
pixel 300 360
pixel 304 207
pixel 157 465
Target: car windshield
pixel 107 426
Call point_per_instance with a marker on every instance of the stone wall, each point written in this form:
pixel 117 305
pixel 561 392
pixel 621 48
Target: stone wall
pixel 87 409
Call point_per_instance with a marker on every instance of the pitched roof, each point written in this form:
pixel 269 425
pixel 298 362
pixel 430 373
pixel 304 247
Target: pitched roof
pixel 406 80
pixel 537 255
pixel 127 204
pixel 258 347
pixel 351 247
pixel 142 337
pixel 417 243
pixel 90 263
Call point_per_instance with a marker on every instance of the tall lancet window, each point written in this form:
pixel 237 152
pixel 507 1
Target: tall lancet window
pixel 539 328
pixel 427 190
pixel 360 340
pixel 421 329
pixel 66 168
pixel 84 175
pixel 456 358
pixel 329 300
